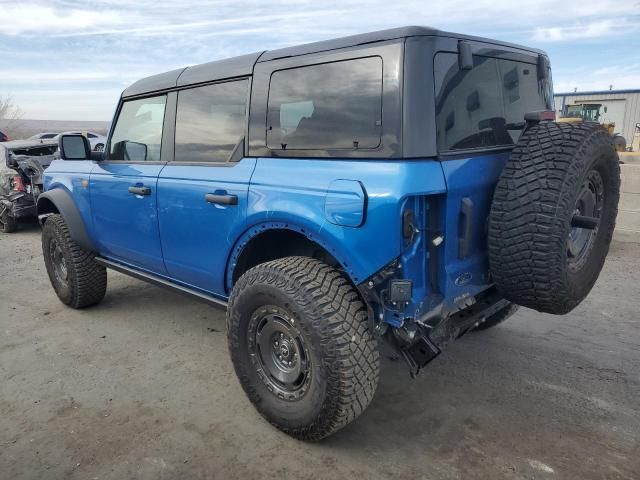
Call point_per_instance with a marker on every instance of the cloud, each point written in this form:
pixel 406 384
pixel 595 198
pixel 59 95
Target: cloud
pixel 30 18
pixel 581 31
pixel 620 77
pixel 225 26
pixel 73 47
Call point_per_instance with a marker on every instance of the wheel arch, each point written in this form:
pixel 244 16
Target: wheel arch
pixel 272 240
pixel 59 201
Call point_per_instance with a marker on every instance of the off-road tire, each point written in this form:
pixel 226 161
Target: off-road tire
pixel 533 205
pixel 333 321
pixel 498 317
pixel 86 281
pixel 8 224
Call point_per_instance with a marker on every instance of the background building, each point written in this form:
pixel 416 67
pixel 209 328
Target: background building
pixel 621 107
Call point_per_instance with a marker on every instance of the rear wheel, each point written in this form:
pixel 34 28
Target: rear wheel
pixel 75 276
pixel 300 343
pixel 8 224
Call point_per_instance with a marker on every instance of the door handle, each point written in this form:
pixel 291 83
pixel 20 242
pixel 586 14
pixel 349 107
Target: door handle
pixel 140 190
pixel 221 199
pixel 464 227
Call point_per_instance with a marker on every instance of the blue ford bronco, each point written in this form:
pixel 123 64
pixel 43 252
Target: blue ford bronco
pixel 406 186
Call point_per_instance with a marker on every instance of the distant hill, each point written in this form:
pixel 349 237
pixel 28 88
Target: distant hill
pixel 24 128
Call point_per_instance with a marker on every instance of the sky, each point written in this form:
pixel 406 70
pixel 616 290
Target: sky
pixel 70 60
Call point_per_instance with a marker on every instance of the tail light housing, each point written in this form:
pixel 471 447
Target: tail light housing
pixel 17 184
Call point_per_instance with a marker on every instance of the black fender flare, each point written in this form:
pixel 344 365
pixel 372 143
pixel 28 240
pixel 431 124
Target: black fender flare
pixel 64 204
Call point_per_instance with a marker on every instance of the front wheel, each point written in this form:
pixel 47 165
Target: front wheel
pixel 75 276
pixel 301 347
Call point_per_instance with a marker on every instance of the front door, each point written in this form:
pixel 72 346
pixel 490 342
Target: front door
pixel 203 189
pixel 124 186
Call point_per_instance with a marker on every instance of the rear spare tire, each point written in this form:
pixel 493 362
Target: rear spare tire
pixel 553 214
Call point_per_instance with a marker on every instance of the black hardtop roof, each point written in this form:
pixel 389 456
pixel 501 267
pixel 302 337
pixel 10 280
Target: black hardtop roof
pixel 243 65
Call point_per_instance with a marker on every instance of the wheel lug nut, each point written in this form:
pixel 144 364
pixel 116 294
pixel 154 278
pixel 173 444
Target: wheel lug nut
pixel 276 343
pixel 281 335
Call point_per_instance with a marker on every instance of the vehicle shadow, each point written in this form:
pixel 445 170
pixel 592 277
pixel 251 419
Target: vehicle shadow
pixel 26 225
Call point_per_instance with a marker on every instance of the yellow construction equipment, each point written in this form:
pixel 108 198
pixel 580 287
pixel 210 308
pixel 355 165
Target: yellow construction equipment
pixel 590 112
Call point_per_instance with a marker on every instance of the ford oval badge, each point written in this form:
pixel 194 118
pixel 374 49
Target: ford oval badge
pixel 463 279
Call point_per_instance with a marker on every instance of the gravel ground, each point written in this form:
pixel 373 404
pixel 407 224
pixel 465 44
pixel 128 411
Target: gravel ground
pixel 141 387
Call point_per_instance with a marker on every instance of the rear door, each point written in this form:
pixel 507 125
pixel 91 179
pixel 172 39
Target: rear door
pixel 202 191
pixel 123 186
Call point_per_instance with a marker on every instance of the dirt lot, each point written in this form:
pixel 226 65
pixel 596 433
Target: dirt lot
pixel 142 387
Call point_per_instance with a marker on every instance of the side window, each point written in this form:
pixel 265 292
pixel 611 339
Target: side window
pixel 326 107
pixel 485 106
pixel 210 121
pixel 48 135
pixel 91 135
pixel 137 135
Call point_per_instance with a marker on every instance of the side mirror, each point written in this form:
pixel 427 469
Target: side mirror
pixel 74 147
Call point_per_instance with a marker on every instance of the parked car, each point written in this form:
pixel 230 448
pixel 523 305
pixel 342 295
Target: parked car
pixel 44 136
pixel 22 163
pixel 96 140
pixel 407 185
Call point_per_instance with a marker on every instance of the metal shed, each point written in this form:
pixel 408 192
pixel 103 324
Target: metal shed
pixel 619 106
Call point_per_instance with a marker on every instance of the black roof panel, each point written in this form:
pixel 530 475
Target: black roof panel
pixel 349 41
pixel 153 83
pixel 243 65
pixel 220 69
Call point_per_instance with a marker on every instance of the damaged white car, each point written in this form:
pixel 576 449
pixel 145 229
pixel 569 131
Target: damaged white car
pixel 22 163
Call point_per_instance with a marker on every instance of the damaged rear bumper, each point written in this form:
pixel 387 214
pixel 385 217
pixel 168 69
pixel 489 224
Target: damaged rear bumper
pixel 429 340
pixel 421 329
pixel 18 205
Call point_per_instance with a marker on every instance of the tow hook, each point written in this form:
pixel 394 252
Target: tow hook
pixel 415 346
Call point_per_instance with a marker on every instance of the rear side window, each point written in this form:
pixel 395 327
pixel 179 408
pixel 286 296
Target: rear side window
pixel 485 106
pixel 326 107
pixel 137 135
pixel 210 121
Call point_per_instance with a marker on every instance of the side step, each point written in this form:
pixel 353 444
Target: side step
pixel 161 282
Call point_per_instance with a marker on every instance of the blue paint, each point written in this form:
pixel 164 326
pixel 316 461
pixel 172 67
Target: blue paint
pixel 352 208
pixel 197 237
pixel 125 225
pixel 293 192
pixel 345 203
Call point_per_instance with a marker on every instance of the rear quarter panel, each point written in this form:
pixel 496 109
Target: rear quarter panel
pixel 291 193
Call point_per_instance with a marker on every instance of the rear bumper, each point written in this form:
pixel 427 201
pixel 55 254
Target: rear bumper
pixel 19 204
pixel 421 343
